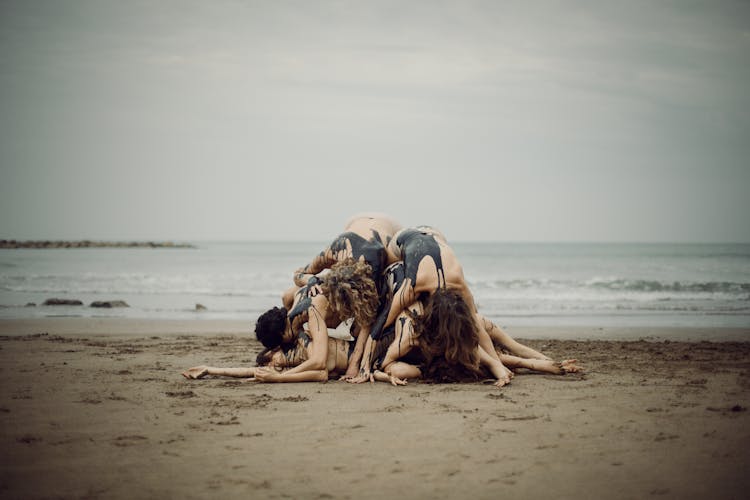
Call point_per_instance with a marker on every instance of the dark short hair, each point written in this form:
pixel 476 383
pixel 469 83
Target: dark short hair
pixel 269 329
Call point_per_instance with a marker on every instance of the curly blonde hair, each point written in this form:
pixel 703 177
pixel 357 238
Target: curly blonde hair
pixel 351 291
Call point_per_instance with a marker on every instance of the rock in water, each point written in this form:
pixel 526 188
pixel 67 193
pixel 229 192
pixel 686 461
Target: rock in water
pixel 200 307
pixel 109 303
pixel 62 302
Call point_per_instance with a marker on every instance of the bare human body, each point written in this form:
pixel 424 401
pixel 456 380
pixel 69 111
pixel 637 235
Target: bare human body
pixel 277 363
pixel 407 339
pixel 347 291
pixel 430 265
pixel 365 238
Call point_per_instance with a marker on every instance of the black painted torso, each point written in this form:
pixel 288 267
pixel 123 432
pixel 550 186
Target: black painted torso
pixel 415 246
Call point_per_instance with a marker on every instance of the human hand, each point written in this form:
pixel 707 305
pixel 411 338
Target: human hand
pixel 264 374
pixel 503 377
pixel 299 276
pixel 395 381
pixel 351 372
pixel 364 376
pixel 195 372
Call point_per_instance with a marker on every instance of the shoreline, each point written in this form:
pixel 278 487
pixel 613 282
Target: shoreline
pixel 109 326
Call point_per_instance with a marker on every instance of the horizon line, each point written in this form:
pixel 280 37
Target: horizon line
pixel 460 241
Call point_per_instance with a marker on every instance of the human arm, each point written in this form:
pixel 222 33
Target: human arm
pixel 356 357
pixel 317 349
pixel 403 341
pixel 496 367
pixel 376 330
pixel 323 260
pixel 265 374
pixel 197 372
pixel 392 250
pixel 403 298
pixel 365 366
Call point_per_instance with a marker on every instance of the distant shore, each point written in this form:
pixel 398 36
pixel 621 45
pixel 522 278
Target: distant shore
pixel 90 244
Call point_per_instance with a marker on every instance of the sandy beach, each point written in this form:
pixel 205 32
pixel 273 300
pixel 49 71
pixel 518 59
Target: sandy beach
pixel 96 408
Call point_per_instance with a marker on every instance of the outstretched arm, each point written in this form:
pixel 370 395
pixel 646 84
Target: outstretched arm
pixel 197 372
pixel 265 374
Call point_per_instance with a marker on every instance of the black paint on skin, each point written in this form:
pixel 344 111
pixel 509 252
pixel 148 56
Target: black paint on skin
pixel 395 276
pixel 394 279
pixel 401 335
pixel 372 250
pixel 303 303
pixel 305 338
pixel 293 352
pixel 415 246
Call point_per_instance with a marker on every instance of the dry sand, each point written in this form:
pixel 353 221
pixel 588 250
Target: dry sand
pixel 98 409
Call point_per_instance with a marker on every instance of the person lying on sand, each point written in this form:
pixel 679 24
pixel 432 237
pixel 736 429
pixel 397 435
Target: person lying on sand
pixel 444 329
pixel 416 351
pixel 347 292
pixel 429 266
pixel 274 364
pixel 412 352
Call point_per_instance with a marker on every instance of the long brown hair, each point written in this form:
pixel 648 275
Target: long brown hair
pixel 449 338
pixel 351 292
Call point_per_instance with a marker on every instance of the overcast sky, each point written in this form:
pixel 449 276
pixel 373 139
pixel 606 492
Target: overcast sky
pixel 508 121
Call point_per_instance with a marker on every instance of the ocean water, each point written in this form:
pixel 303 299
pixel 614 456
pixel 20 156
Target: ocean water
pixel 704 285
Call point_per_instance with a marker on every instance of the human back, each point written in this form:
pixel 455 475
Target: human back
pixel 429 262
pixel 365 237
pixel 365 224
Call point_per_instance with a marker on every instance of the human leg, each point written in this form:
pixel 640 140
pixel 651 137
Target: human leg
pixel 542 365
pixel 500 337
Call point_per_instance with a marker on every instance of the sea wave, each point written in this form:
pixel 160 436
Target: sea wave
pixel 228 285
pixel 615 284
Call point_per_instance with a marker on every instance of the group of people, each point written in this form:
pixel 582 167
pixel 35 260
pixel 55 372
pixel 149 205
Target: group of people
pixel 384 303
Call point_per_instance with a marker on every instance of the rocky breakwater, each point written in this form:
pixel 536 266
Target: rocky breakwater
pixel 107 304
pixel 91 244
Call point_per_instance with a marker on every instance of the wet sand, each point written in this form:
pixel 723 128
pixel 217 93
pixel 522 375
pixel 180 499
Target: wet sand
pixel 98 409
